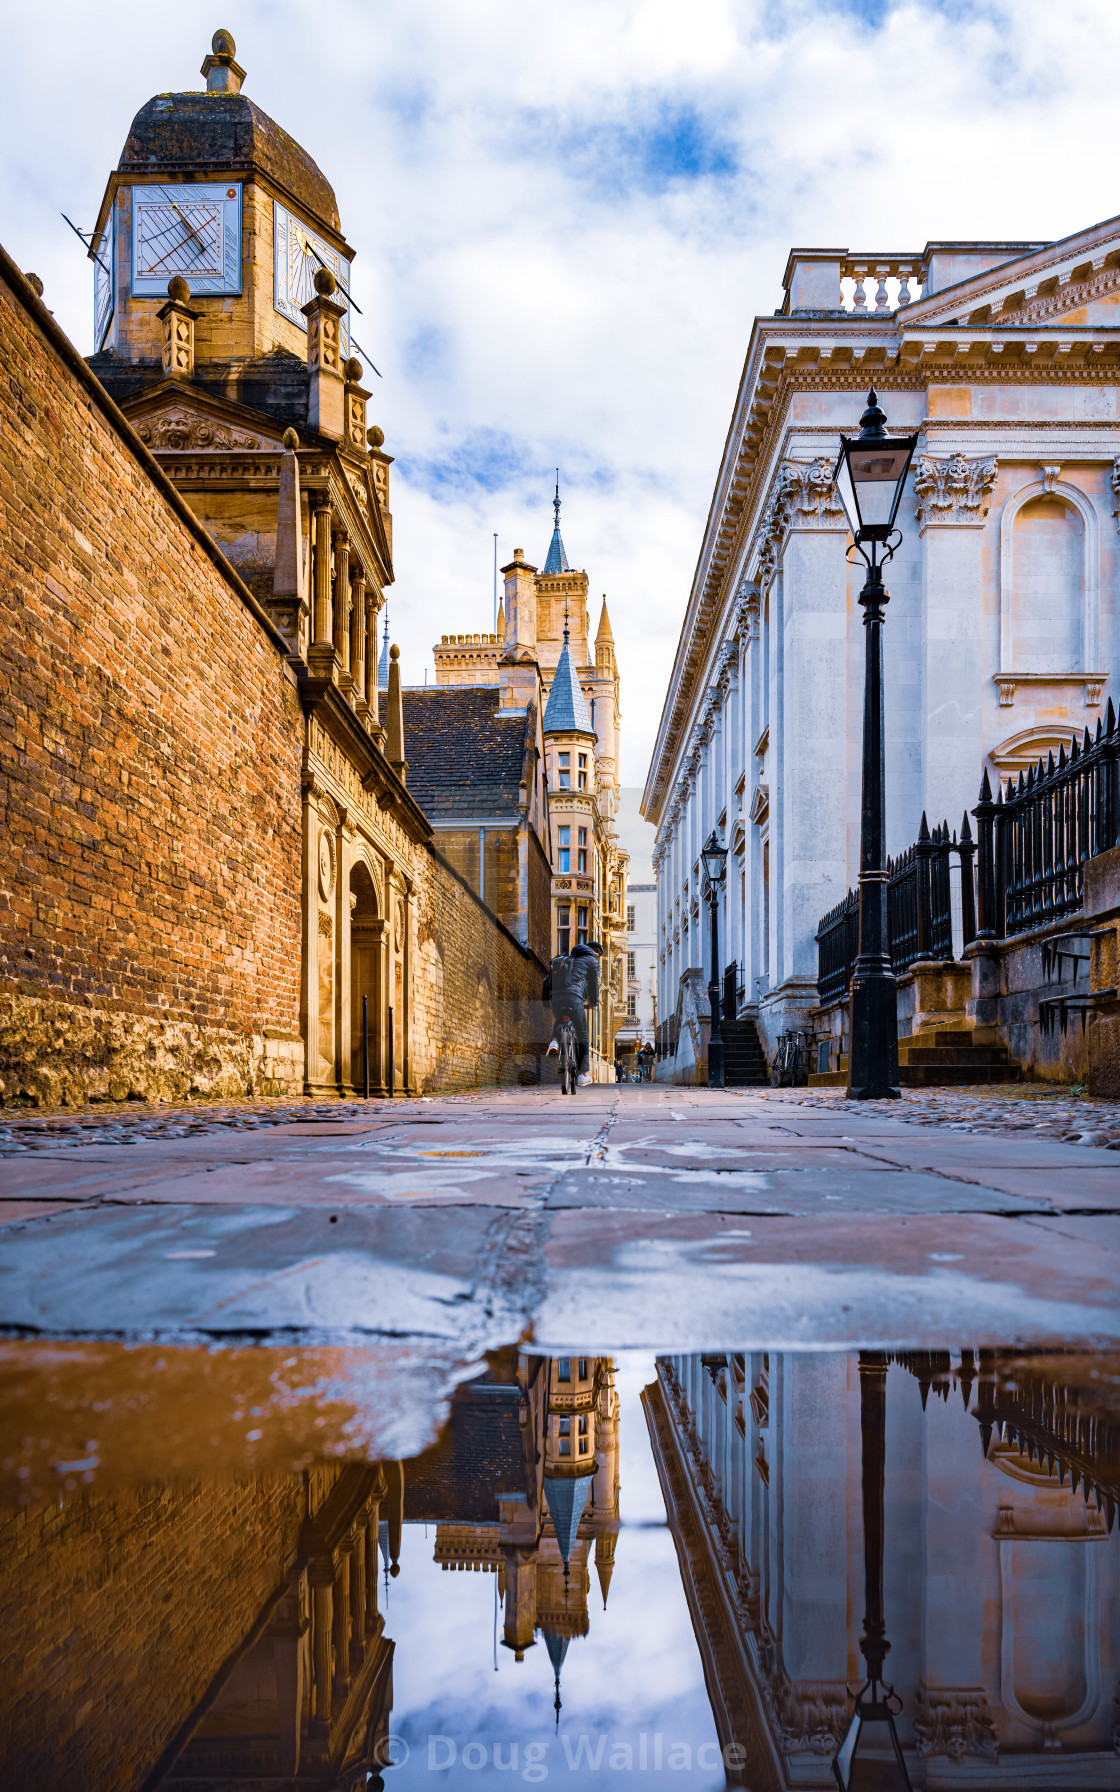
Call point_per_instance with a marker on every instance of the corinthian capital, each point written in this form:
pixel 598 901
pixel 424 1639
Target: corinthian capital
pixel 953 489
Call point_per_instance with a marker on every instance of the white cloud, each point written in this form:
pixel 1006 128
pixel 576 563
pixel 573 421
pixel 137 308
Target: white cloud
pixel 566 219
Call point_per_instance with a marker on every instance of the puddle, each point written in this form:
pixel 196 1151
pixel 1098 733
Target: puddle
pixel 349 1568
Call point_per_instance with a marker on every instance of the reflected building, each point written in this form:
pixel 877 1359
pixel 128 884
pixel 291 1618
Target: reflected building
pixel 1001 1560
pixel 524 1484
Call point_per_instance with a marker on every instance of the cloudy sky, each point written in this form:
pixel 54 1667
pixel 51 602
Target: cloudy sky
pixel 566 218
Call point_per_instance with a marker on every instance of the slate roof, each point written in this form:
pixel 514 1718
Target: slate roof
pixel 227 133
pixel 463 758
pixel 557 560
pixel 383 662
pixel 566 1499
pixel 566 710
pixel 479 1456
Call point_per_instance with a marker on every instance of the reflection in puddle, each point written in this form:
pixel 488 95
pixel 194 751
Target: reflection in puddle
pixel 215 1577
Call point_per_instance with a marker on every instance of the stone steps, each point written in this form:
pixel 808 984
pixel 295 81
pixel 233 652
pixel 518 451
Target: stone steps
pixel 744 1065
pixel 939 1060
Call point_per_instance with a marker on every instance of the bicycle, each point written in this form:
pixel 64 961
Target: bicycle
pixel 569 1057
pixel 788 1062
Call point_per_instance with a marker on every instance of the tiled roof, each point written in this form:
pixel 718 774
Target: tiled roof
pixel 480 1455
pixel 566 709
pixel 464 759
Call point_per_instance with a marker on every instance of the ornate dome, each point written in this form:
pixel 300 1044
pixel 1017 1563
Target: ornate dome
pixel 215 133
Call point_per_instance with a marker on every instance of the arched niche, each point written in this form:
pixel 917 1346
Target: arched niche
pixel 367 931
pixel 1050 560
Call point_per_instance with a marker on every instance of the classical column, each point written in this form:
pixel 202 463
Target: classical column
pixel 322 1619
pixel 342 606
pixel 342 1616
pixel 952 495
pixel 358 1598
pixel 321 643
pixel 359 656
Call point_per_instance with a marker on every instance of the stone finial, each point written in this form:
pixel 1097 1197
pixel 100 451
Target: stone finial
pixel 355 407
pixel 376 438
pixel 326 401
pixel 34 283
pixel 394 720
pixel 223 74
pixel 289 583
pixel 178 330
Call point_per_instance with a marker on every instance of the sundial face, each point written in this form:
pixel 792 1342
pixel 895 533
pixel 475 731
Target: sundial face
pixel 299 253
pixel 194 231
pixel 104 253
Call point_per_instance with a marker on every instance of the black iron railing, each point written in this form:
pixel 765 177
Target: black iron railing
pixel 1025 868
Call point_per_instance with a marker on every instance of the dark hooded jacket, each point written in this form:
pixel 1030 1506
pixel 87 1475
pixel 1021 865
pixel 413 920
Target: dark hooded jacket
pixel 583 976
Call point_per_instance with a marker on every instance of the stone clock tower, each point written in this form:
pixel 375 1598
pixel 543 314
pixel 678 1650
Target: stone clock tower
pixel 222 329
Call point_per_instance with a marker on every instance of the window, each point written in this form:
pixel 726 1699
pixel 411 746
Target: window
pixel 630 922
pixel 581 917
pixel 631 966
pixel 563 846
pixel 583 1377
pixel 583 1422
pixel 564 761
pixel 564 930
pixel 564 1369
pixel 581 863
pixel 584 1440
pixel 565 1427
pixel 631 1007
pixel 583 771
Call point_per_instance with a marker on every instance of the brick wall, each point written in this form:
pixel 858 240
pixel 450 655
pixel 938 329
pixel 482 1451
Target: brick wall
pixel 478 1018
pixel 117 1611
pixel 150 737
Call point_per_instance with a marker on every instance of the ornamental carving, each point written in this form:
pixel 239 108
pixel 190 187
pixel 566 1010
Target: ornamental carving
pixel 954 489
pixel 808 1715
pixel 179 428
pixel 955 1724
pixel 803 495
pixel 1116 490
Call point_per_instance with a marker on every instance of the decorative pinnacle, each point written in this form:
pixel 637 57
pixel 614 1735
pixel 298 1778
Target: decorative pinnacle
pixel 871 424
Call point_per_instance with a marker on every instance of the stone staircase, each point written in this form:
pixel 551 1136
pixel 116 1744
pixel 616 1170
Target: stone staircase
pixel 744 1066
pixel 939 1060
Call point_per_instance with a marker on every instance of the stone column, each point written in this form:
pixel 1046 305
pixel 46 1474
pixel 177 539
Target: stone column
pixel 344 840
pixel 358 1598
pixel 359 659
pixel 322 646
pixel 809 744
pixel 953 494
pixel 322 1664
pixel 342 1616
pixel 342 607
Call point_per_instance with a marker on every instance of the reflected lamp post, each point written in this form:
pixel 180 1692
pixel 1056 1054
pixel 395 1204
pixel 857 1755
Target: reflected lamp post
pixel 869 476
pixel 715 858
pixel 876 1701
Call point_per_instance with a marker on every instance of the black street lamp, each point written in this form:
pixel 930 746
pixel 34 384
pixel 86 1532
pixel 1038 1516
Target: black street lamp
pixel 869 476
pixel 714 857
pixel 876 1701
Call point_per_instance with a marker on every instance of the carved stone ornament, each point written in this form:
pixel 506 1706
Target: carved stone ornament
pixel 179 428
pixel 953 489
pixel 803 495
pixel 810 1716
pixel 954 1723
pixel 326 865
pixel 1115 481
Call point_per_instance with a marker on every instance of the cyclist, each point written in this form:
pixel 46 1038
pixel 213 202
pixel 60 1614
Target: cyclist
pixel 571 987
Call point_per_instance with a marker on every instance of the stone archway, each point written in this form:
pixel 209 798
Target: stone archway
pixel 367 930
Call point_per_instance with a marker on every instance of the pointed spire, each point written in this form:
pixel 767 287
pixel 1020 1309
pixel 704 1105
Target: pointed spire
pixel 566 710
pixel 557 560
pixel 603 632
pixel 566 1499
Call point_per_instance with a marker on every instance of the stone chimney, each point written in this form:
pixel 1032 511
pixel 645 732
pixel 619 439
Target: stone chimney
pixel 289 582
pixel 394 719
pixel 326 397
pixel 223 75
pixel 178 330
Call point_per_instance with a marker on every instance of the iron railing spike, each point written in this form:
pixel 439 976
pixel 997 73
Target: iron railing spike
pixel 985 788
pixel 1110 714
pixel 1062 756
pixel 923 831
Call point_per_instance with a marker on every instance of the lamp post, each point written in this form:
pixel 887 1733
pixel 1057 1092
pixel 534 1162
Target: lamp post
pixel 876 1701
pixel 869 475
pixel 715 857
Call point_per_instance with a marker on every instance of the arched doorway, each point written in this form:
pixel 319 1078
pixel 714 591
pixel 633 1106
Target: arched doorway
pixel 366 934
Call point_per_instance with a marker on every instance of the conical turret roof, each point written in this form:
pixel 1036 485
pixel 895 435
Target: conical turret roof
pixel 566 1496
pixel 566 710
pixel 383 662
pixel 603 632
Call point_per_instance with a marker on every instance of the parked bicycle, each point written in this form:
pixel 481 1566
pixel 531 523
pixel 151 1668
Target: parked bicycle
pixel 791 1060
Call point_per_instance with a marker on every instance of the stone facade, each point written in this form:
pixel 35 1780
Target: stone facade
pixel 1001 628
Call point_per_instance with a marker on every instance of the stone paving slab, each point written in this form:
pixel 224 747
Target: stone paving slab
pixel 797 1191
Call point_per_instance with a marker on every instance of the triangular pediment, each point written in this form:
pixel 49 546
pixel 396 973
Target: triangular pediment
pixel 175 418
pixel 1074 281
